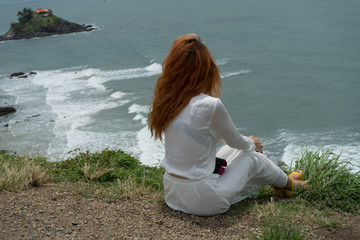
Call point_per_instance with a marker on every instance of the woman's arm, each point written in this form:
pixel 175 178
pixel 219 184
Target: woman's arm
pixel 224 131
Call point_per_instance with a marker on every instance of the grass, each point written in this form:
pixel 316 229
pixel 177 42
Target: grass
pixel 18 173
pixel 278 230
pixel 331 182
pixel 332 185
pixel 291 219
pixel 109 174
pixel 114 175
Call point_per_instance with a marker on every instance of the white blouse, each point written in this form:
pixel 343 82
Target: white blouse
pixel 191 138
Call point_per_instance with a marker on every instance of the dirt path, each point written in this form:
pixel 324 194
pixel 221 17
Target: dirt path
pixel 51 212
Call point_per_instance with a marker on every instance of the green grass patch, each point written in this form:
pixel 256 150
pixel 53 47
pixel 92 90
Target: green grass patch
pixel 113 164
pixel 331 182
pixel 280 230
pixel 110 174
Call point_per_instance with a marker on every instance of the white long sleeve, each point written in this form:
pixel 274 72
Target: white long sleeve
pixel 225 132
pixel 191 138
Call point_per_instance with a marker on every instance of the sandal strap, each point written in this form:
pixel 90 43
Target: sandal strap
pixel 296 173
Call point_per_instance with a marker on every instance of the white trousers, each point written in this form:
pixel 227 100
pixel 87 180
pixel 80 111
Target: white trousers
pixel 214 194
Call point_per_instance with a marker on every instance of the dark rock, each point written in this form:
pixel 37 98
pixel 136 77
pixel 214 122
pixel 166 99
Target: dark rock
pixel 23 76
pixel 8 152
pixel 18 74
pixel 6 110
pixel 31 73
pixel 6 125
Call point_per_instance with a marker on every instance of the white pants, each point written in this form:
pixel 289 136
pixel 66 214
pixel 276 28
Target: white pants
pixel 215 194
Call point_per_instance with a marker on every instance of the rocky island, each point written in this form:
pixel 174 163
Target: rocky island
pixel 41 23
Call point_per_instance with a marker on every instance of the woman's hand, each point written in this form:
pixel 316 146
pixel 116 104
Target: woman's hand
pixel 258 145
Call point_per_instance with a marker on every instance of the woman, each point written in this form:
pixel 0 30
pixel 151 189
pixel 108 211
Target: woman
pixel 187 110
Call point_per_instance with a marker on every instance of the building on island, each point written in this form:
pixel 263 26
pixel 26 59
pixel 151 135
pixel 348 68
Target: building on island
pixel 43 12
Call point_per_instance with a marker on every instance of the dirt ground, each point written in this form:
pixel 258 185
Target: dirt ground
pixel 52 212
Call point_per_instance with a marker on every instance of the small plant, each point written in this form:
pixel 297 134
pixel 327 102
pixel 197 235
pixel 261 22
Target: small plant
pixel 279 230
pixel 38 176
pixel 331 182
pixel 18 173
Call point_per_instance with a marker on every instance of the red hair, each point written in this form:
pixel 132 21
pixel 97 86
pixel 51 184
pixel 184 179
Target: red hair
pixel 188 70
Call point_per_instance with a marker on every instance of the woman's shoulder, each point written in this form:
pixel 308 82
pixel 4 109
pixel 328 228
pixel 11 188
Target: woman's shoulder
pixel 204 105
pixel 204 99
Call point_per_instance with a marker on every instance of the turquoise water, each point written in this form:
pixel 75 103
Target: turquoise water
pixel 290 71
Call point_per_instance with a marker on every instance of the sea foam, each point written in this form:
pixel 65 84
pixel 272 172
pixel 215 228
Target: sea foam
pixel 77 95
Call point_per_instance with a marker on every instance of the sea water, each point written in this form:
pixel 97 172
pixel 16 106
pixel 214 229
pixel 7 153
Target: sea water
pixel 290 72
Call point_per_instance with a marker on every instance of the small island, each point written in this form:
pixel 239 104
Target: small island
pixel 40 23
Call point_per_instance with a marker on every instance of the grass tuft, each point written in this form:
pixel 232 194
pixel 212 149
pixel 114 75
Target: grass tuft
pixel 129 188
pixel 331 182
pixel 38 176
pixel 279 230
pixel 96 174
pixel 18 173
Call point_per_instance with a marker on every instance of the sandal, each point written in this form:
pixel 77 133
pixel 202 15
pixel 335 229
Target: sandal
pixel 280 192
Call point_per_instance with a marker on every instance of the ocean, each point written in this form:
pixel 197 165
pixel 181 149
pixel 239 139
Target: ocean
pixel 290 72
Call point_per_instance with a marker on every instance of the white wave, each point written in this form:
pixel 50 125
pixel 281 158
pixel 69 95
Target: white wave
pixel 230 74
pixel 222 61
pixel 141 112
pixel 152 152
pixel 74 99
pixel 118 95
pixel 155 68
pixel 131 73
pixel 136 108
pixel 96 82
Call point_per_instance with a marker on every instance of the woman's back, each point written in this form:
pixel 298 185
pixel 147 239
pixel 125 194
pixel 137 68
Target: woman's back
pixel 190 147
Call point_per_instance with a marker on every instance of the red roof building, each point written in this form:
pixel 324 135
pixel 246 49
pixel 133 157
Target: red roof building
pixel 40 10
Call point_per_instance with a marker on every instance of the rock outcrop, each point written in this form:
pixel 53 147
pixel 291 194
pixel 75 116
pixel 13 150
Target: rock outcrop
pixel 6 110
pixel 21 74
pixel 43 26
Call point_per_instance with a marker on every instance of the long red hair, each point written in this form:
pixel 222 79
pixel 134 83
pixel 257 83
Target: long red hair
pixel 188 70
